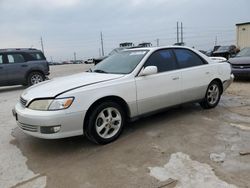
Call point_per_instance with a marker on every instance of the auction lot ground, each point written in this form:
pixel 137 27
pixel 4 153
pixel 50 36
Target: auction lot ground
pixel 170 137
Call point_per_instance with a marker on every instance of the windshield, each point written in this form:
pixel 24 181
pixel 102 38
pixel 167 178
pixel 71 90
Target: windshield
pixel 223 48
pixel 123 62
pixel 245 52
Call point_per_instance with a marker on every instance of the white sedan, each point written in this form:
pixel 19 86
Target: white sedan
pixel 125 86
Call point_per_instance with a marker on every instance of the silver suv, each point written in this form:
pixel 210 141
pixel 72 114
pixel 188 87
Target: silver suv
pixel 26 66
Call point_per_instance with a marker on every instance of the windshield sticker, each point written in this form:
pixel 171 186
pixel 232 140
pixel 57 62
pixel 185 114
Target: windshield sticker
pixel 138 53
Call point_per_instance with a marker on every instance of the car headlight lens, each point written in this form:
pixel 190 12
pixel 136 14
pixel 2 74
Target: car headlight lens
pixel 59 104
pixel 51 104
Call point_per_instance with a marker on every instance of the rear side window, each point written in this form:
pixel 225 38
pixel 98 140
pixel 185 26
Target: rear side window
pixel 1 59
pixel 15 58
pixel 187 58
pixel 37 55
pixel 164 60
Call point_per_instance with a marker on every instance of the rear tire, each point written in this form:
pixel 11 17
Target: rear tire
pixel 213 95
pixel 105 123
pixel 35 78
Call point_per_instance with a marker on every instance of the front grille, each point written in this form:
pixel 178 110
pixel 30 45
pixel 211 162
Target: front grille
pixel 31 128
pixel 238 66
pixel 23 101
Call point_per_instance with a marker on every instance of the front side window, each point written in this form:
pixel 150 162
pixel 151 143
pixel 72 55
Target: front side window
pixel 164 60
pixel 15 58
pixel 123 62
pixel 187 58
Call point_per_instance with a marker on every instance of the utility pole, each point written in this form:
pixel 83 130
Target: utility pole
pixel 102 45
pixel 158 42
pixel 99 52
pixel 178 32
pixel 74 57
pixel 181 33
pixel 51 58
pixel 215 42
pixel 42 45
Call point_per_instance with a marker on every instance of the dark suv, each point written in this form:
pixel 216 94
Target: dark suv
pixel 22 66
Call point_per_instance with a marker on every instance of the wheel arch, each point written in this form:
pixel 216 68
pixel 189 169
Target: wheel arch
pixel 220 83
pixel 112 98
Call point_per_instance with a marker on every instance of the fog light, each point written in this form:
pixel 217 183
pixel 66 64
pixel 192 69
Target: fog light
pixel 50 130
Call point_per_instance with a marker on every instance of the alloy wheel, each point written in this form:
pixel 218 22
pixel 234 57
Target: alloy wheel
pixel 108 122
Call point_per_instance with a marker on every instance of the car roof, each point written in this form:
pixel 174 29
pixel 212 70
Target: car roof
pixel 156 48
pixel 153 49
pixel 19 50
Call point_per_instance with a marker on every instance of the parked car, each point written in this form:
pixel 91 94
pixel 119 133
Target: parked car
pixel 241 63
pixel 127 85
pixel 225 51
pixel 22 66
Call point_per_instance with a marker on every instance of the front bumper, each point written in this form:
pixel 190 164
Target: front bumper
pixel 228 82
pixel 241 72
pixel 34 122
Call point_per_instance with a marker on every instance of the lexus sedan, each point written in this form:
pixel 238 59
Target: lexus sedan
pixel 125 86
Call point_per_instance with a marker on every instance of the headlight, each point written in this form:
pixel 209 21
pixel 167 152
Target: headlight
pixel 51 104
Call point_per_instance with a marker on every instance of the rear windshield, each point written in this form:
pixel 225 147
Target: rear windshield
pixel 37 55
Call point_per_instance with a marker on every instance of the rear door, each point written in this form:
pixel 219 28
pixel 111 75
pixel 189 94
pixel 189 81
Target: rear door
pixel 3 71
pixel 17 67
pixel 196 74
pixel 162 89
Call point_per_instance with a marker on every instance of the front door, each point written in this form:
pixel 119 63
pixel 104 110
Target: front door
pixel 159 90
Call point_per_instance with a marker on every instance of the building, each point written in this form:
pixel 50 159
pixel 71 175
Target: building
pixel 243 35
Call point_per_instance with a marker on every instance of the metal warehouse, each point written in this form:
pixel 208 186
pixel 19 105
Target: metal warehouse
pixel 243 35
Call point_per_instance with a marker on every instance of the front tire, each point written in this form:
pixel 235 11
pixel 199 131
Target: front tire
pixel 105 123
pixel 213 95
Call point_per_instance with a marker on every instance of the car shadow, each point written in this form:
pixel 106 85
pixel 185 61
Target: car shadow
pixel 64 146
pixel 242 79
pixel 78 148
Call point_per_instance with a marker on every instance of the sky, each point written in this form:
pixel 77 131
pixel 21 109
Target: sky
pixel 68 26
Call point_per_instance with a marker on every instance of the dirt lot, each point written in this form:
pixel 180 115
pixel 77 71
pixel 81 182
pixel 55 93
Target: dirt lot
pixel 187 140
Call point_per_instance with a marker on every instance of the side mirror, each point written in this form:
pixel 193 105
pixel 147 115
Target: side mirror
pixel 149 70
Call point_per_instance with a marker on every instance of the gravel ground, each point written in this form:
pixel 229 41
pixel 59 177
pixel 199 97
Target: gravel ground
pixel 181 147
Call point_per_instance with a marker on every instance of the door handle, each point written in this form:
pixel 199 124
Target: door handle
pixel 1 67
pixel 24 65
pixel 175 78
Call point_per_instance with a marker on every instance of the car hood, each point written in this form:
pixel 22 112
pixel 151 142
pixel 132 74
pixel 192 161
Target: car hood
pixel 56 86
pixel 240 60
